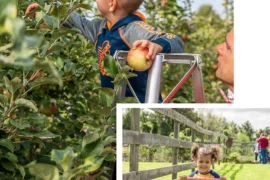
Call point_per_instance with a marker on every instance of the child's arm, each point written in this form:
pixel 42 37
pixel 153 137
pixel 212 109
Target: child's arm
pixel 89 29
pixel 139 30
pixel 222 178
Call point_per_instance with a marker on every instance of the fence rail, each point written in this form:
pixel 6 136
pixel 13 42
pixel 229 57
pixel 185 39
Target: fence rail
pixel 159 172
pixel 136 138
pixel 182 119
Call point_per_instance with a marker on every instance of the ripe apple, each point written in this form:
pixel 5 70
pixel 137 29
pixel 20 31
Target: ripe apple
pixel 184 37
pixel 136 59
pixel 48 109
pixel 38 74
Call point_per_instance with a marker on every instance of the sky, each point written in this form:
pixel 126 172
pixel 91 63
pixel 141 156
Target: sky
pixel 216 4
pixel 258 117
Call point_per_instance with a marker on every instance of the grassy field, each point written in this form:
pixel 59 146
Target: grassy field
pixel 230 171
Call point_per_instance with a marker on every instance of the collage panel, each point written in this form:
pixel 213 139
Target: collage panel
pixel 66 64
pixel 172 143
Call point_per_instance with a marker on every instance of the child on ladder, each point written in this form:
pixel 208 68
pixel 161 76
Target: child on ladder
pixel 204 158
pixel 123 28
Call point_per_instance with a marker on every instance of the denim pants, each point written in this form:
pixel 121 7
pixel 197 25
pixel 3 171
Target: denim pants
pixel 264 155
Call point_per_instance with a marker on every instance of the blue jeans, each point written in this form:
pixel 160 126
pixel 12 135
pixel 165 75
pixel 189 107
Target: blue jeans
pixel 264 155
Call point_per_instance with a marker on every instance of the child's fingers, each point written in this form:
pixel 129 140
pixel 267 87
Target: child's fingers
pixel 136 44
pixel 153 55
pixel 144 44
pixel 30 8
pixel 150 52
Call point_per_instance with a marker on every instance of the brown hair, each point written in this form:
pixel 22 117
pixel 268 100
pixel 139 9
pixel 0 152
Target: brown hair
pixel 130 6
pixel 213 151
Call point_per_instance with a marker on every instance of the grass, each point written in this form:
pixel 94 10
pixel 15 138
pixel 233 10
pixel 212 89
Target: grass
pixel 229 170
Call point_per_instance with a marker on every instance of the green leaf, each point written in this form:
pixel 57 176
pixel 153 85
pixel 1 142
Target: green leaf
pixel 44 80
pixel 129 100
pixel 110 66
pixel 92 164
pixel 26 103
pixel 63 157
pixel 8 84
pixel 102 178
pixel 60 11
pixel 8 165
pixel 109 140
pixel 51 21
pixel 39 15
pixel 21 169
pixel 41 2
pixel 85 6
pixel 11 157
pixel 59 63
pixel 45 134
pixel 90 138
pixel 122 76
pixel 69 66
pixel 111 120
pixel 50 68
pixel 33 41
pixel 107 91
pixel 8 144
pixel 44 171
pixel 109 150
pixel 106 96
pixel 18 125
pixel 3 100
pixel 94 148
pixel 110 157
pixel 16 84
pixel 106 111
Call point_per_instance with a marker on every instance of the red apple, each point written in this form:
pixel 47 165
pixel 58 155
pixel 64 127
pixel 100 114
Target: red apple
pixel 48 109
pixel 184 37
pixel 136 59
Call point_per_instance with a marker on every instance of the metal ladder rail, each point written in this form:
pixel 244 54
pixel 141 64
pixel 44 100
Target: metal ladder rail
pixel 154 75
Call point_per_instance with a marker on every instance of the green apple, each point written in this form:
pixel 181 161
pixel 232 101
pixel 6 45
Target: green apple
pixel 137 60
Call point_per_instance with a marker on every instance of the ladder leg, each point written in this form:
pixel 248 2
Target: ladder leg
pixel 153 81
pixel 198 83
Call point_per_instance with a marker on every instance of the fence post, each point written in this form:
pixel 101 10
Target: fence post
pixel 202 138
pixel 134 148
pixel 219 144
pixel 211 140
pixel 175 149
pixel 192 140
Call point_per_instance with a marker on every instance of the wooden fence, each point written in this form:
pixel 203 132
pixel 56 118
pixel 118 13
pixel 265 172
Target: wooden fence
pixel 136 138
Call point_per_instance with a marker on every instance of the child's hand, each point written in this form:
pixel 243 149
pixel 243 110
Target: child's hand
pixel 154 48
pixel 222 178
pixel 184 177
pixel 30 8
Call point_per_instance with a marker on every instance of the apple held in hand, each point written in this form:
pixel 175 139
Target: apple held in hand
pixel 136 59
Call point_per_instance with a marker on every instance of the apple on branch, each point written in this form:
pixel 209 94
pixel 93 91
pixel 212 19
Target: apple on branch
pixel 137 60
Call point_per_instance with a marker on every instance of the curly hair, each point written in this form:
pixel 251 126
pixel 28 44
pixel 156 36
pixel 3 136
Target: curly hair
pixel 214 151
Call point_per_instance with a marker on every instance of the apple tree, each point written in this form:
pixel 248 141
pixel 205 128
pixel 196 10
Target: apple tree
pixel 54 117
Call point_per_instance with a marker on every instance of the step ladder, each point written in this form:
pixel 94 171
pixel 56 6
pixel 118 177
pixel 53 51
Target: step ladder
pixel 155 73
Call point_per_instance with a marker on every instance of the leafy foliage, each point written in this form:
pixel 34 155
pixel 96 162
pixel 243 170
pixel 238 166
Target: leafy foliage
pixel 53 118
pixel 201 32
